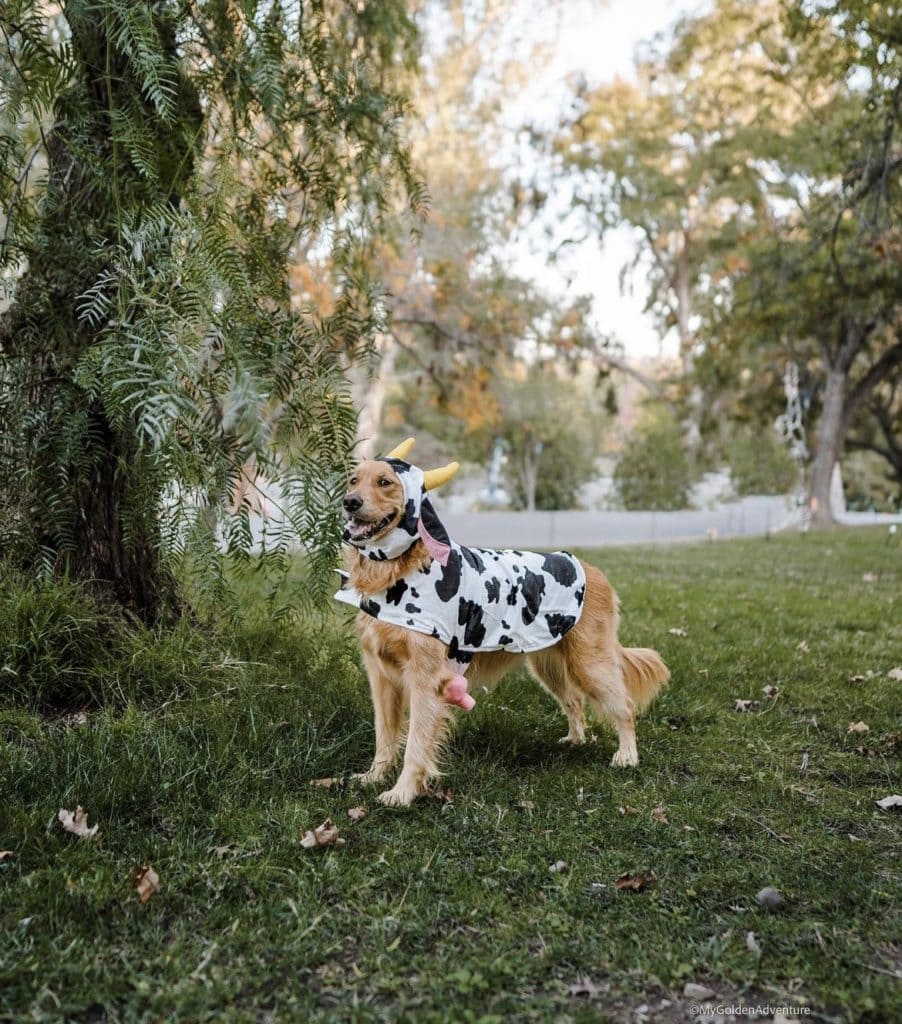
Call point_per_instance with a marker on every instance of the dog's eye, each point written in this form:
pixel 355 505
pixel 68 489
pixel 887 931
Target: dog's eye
pixel 384 483
pixel 352 482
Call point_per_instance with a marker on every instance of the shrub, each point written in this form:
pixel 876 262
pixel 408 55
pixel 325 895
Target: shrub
pixel 760 463
pixel 653 471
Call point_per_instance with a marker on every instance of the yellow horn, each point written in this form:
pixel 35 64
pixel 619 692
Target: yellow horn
pixel 433 478
pixel 402 450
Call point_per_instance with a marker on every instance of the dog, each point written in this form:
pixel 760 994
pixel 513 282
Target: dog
pixel 431 609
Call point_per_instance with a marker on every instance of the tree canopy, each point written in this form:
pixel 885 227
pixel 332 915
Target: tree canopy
pixel 164 166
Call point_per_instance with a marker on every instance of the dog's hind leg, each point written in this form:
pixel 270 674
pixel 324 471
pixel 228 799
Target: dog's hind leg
pixel 604 685
pixel 551 671
pixel 388 708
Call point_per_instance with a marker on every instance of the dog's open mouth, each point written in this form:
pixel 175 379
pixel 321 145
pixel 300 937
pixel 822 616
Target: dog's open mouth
pixel 362 529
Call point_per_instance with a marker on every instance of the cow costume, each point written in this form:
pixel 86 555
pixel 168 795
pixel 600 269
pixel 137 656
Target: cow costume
pixel 472 599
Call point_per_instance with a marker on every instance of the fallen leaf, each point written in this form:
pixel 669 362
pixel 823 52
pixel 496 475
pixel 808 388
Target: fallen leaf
pixel 76 822
pixel 746 705
pixel 889 802
pixel 357 813
pixel 325 835
pixel 446 795
pixel 751 943
pixel 146 882
pixel 324 783
pixel 858 727
pixel 895 674
pixel 527 805
pixel 770 898
pixel 868 577
pixel 677 631
pixel 659 814
pixel 698 993
pixel 557 867
pixel 6 855
pixel 222 851
pixel 802 646
pixel 770 691
pixel 857 678
pixel 636 883
pixel 626 809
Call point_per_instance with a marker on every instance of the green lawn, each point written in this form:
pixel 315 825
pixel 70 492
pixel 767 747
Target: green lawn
pixel 201 756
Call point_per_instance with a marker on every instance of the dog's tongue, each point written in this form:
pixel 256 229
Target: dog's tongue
pixel 357 528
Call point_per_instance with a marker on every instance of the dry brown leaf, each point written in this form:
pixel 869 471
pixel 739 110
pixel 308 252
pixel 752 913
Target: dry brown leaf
pixel 222 851
pixel 557 867
pixel 6 855
pixel 770 691
pixel 527 805
pixel 357 813
pixel 802 646
pixel 857 678
pixel 76 822
pixel 869 577
pixel 889 802
pixel 659 814
pixel 325 835
pixel 626 809
pixel 746 705
pixel 677 631
pixel 146 882
pixel 445 795
pixel 636 883
pixel 895 674
pixel 324 783
pixel 858 727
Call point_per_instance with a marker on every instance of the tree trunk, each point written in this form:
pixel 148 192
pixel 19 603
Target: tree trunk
pixel 94 501
pixel 830 436
pixel 369 390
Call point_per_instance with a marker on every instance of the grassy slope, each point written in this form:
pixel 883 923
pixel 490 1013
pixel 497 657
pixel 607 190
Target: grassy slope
pixel 448 911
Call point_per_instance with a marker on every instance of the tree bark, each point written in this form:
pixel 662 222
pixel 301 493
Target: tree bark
pixel 830 437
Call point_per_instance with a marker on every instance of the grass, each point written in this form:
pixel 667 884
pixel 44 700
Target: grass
pixel 197 756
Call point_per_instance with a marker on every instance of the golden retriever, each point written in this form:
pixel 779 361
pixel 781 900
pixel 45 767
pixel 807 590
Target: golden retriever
pixel 408 671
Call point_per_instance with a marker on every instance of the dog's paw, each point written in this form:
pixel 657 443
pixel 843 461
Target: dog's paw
pixel 369 778
pixel 625 759
pixel 398 796
pixel 573 741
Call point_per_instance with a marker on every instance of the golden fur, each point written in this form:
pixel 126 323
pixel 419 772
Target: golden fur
pixel 408 671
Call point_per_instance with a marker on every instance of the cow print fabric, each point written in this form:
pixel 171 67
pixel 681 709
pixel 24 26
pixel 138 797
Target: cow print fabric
pixel 473 599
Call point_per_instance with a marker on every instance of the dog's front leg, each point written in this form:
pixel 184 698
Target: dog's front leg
pixel 388 719
pixel 429 716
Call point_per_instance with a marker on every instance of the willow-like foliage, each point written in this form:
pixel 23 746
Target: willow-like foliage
pixel 162 166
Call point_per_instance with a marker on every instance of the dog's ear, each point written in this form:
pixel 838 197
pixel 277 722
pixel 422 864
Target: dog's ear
pixel 402 450
pixel 433 478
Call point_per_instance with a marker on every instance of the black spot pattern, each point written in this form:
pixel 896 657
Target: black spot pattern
pixel 469 615
pixel 370 606
pixel 558 624
pixel 504 639
pixel 412 609
pixel 533 587
pixel 448 586
pixel 473 560
pixel 395 592
pixel 560 568
pixel 493 590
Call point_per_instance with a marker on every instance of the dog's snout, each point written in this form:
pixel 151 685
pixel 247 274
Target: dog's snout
pixel 352 502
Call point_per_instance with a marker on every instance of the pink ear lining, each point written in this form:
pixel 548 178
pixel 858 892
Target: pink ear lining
pixel 440 552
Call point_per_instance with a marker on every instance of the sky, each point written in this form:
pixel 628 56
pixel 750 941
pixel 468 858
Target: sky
pixel 597 40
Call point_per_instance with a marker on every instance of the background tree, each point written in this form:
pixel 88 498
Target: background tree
pixel 179 157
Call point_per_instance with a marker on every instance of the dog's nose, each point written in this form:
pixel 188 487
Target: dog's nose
pixel 352 503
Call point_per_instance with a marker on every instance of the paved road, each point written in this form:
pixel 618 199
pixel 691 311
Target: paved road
pixel 750 517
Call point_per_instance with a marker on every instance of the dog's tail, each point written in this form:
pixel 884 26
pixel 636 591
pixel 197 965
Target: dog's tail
pixel 644 674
